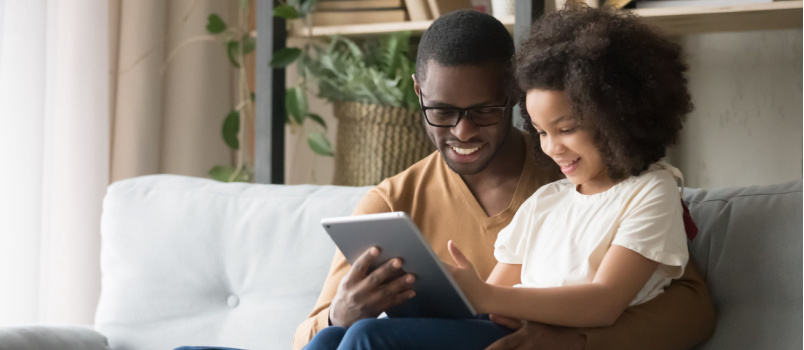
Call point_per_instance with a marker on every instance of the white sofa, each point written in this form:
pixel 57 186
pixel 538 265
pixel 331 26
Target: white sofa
pixel 189 261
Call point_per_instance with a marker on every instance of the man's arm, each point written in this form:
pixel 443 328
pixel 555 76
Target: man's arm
pixel 372 202
pixel 679 318
pixel 319 317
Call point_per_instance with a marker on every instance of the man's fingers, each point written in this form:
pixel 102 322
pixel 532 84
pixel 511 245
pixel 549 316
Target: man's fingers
pixel 383 273
pixel 361 265
pixel 507 322
pixel 399 284
pixel 391 293
pixel 399 298
pixel 508 342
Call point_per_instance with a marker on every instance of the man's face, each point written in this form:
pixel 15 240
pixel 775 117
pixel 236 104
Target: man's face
pixel 466 148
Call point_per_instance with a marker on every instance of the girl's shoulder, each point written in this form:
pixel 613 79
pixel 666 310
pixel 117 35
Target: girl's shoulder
pixel 660 176
pixel 549 193
pixel 555 187
pixel 662 172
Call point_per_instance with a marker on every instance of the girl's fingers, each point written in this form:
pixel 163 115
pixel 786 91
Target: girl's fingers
pixel 457 255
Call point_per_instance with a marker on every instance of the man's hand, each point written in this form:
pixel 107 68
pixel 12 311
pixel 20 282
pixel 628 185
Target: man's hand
pixel 540 336
pixel 365 295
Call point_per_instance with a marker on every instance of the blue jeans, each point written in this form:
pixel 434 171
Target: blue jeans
pixel 410 333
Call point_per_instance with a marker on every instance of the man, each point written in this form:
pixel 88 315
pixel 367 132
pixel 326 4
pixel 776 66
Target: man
pixel 470 189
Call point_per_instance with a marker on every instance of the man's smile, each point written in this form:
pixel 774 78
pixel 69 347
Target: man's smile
pixel 465 151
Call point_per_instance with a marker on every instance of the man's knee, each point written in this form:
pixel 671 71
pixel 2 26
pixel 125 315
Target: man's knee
pixel 369 326
pixel 327 338
pixel 370 333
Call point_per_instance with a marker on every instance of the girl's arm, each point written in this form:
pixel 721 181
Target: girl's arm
pixel 622 274
pixel 505 275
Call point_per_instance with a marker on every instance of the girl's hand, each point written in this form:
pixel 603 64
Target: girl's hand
pixel 465 274
pixel 507 322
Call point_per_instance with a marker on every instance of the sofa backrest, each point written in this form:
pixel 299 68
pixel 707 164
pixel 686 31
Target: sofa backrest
pixel 749 248
pixel 190 261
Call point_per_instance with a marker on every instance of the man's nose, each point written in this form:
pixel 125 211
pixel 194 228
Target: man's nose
pixel 465 129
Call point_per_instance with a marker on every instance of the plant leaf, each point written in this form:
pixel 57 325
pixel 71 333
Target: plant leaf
pixel 284 57
pixel 394 51
pixel 375 71
pixel 233 51
pixel 215 24
pixel 249 44
pixel 286 12
pixel 231 126
pixel 317 118
pixel 307 6
pixel 296 104
pixel 319 144
pixel 353 48
pixel 221 172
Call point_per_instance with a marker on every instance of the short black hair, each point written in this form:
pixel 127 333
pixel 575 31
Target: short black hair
pixel 466 37
pixel 623 80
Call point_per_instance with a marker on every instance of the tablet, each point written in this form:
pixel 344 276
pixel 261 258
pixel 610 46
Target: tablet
pixel 437 293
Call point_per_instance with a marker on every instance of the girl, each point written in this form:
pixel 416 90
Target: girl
pixel 604 97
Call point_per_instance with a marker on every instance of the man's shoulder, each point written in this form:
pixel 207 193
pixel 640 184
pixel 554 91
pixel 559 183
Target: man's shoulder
pixel 417 181
pixel 420 171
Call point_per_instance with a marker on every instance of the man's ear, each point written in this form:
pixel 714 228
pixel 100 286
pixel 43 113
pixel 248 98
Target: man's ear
pixel 415 84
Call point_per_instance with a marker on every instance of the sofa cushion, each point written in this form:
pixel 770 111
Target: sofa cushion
pixel 190 261
pixel 749 248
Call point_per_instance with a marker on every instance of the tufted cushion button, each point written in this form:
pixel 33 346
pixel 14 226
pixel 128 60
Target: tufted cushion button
pixel 233 301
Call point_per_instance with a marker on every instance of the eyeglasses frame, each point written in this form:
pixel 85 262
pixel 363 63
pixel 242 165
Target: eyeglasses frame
pixel 461 112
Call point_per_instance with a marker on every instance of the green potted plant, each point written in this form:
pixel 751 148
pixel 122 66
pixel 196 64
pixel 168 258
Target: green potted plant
pixel 368 81
pixel 380 131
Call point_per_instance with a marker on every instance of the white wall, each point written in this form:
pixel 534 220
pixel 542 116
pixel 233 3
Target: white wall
pixel 746 128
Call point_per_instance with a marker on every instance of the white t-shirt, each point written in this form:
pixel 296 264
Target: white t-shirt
pixel 560 236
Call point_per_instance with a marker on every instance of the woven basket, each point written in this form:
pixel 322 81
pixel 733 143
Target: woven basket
pixel 375 142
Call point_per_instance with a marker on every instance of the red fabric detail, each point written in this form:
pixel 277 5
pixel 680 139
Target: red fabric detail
pixel 689 224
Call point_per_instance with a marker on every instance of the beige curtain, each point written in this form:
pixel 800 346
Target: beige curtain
pixel 172 86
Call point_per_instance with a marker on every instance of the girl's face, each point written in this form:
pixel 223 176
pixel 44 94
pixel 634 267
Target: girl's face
pixel 569 145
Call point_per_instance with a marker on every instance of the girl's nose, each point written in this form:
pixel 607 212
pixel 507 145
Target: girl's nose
pixel 552 145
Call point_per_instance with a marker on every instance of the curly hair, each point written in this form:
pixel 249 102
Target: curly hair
pixel 623 80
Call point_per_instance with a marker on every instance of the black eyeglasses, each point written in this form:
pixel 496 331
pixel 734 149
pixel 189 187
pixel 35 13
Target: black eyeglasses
pixel 447 117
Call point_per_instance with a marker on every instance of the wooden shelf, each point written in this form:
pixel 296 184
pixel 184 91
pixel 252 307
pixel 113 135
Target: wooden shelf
pixel 377 28
pixel 673 21
pixel 692 20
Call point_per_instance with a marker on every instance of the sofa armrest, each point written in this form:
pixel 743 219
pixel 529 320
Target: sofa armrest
pixel 51 338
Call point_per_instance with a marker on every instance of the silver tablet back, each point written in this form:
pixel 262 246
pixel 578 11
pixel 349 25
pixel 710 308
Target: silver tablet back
pixel 437 294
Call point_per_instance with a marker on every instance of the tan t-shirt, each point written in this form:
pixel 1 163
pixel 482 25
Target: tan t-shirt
pixel 443 208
